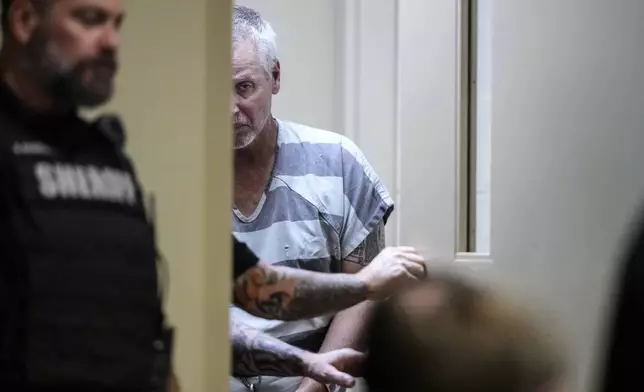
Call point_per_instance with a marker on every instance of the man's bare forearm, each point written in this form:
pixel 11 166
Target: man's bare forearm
pixel 347 327
pixel 284 293
pixel 255 353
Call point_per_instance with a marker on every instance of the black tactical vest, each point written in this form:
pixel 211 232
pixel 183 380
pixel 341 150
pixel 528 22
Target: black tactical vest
pixel 79 304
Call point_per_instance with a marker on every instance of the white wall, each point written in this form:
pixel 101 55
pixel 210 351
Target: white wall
pixel 565 113
pixel 567 144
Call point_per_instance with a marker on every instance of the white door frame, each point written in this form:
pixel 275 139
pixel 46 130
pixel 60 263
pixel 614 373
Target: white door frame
pixel 398 98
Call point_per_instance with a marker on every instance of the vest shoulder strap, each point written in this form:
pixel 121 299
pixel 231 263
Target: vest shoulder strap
pixel 111 127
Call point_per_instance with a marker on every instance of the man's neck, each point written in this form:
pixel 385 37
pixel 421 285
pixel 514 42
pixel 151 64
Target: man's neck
pixel 260 154
pixel 26 87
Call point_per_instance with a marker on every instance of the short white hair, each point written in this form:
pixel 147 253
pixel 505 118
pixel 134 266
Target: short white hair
pixel 248 24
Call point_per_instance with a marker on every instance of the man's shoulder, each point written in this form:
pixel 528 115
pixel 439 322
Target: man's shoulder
pixel 315 138
pixel 314 161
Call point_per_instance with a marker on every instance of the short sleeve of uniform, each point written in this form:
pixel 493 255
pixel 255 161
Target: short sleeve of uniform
pixel 366 199
pixel 243 258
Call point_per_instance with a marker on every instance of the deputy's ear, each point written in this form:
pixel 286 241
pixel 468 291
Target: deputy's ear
pixel 23 20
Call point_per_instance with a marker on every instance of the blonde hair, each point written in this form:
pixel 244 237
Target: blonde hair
pixel 448 335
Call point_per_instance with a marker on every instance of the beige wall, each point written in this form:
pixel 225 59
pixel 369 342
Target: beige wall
pixel 173 91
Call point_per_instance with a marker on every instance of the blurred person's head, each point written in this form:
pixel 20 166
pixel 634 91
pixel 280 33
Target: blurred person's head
pixel 66 49
pixel 448 335
pixel 256 75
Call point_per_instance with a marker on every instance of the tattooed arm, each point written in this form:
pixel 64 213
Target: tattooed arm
pixel 288 294
pixel 285 293
pixel 255 353
pixel 347 328
pixel 367 250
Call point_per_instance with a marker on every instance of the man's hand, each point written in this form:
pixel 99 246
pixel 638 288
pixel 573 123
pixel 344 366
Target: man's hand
pixel 255 353
pixel 391 270
pixel 337 367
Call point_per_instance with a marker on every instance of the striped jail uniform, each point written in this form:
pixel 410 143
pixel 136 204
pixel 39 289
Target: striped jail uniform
pixel 322 201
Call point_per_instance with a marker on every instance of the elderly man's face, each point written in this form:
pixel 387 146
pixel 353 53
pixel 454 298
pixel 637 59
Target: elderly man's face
pixel 73 48
pixel 253 89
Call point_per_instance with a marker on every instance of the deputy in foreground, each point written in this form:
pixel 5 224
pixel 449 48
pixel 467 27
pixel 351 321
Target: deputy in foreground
pixel 79 304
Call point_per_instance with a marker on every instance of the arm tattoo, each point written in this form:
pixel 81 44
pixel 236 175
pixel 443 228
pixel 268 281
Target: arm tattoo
pixel 284 293
pixel 370 247
pixel 255 353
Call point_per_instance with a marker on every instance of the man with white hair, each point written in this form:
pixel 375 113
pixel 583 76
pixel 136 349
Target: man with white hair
pixel 304 198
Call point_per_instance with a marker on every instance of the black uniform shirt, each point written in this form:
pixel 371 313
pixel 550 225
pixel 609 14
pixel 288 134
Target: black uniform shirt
pixel 624 358
pixel 243 258
pixel 79 304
